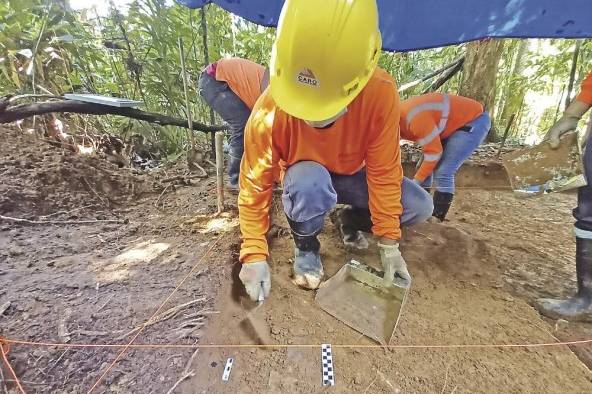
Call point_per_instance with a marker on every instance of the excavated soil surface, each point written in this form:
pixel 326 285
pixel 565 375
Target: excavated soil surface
pixel 475 277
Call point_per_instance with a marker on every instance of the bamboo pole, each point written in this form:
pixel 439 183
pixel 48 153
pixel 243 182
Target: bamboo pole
pixel 204 36
pixel 220 170
pixel 187 104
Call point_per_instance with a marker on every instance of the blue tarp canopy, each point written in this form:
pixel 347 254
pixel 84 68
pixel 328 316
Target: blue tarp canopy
pixel 407 25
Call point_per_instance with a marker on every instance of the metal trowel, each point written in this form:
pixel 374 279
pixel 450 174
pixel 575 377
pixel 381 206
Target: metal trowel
pixel 539 169
pixel 358 296
pixel 254 322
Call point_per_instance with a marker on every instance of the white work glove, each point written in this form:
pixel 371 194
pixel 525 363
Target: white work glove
pixel 257 279
pixel 568 122
pixel 393 263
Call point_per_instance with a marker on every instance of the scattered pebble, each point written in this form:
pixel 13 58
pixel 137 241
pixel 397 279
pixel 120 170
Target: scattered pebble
pixel 275 330
pixel 358 378
pixel 15 251
pixel 561 324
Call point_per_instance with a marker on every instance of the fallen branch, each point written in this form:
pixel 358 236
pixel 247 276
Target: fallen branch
pixel 91 189
pixel 3 380
pixel 27 221
pixel 23 111
pixel 186 372
pixel 190 327
pixel 91 333
pixel 447 75
pixel 70 211
pixel 161 194
pixel 431 75
pixel 56 362
pixel 14 99
pixel 166 315
pixel 105 304
pixel 182 178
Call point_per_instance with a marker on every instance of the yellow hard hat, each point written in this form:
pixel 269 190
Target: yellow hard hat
pixel 323 55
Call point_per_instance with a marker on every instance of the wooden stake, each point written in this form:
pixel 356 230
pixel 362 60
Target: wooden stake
pixel 220 170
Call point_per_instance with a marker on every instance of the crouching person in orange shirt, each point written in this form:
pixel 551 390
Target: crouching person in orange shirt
pixel 448 128
pixel 231 87
pixel 330 127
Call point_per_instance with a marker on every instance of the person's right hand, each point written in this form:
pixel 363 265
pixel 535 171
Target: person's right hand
pixel 257 279
pixel 565 124
pixel 568 122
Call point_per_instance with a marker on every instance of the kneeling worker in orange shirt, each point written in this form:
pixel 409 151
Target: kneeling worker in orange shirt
pixel 329 123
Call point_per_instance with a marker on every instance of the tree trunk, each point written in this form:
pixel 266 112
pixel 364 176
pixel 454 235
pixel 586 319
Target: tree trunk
pixel 480 72
pixel 515 89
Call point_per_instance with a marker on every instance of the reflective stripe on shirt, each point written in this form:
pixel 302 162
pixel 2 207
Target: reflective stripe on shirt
pixel 443 107
pixel 432 156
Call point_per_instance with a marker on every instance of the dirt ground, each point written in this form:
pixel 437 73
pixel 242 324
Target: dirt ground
pixel 474 279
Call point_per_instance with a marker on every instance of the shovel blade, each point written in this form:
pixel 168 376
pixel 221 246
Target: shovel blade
pixel 539 169
pixel 357 296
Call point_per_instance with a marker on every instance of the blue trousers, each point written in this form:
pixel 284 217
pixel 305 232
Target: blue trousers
pixel 311 191
pixel 219 96
pixel 458 148
pixel 583 212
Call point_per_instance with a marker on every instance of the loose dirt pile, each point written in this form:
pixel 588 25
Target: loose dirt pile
pixel 38 179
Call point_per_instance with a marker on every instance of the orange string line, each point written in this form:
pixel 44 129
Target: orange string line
pixel 4 352
pixel 342 346
pixel 126 347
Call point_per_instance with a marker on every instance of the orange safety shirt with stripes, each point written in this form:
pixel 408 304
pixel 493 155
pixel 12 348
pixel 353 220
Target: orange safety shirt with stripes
pixel 429 118
pixel 585 94
pixel 243 77
pixel 366 135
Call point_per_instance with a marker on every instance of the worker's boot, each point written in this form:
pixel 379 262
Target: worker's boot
pixel 442 203
pixel 233 174
pixel 351 222
pixel 308 268
pixel 578 307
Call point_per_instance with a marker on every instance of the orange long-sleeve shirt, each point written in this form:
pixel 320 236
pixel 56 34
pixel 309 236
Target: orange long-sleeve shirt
pixel 429 118
pixel 243 76
pixel 367 135
pixel 586 90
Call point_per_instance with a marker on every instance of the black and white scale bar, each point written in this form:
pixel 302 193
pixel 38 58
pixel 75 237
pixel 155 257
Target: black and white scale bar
pixel 327 369
pixel 227 368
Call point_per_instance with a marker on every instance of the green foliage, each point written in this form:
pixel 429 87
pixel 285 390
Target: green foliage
pixel 135 55
pixel 44 46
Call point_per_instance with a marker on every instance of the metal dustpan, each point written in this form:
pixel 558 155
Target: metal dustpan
pixel 357 296
pixel 539 169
